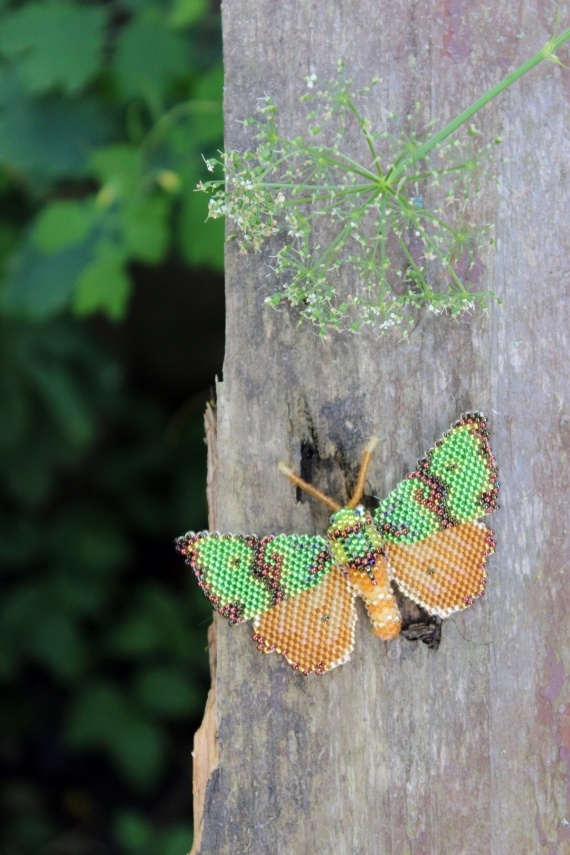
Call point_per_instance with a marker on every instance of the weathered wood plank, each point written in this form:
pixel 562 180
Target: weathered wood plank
pixel 406 750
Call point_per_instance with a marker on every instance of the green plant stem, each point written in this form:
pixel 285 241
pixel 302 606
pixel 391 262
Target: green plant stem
pixel 547 51
pixel 163 124
pixel 433 218
pixel 338 242
pixel 347 163
pixel 368 138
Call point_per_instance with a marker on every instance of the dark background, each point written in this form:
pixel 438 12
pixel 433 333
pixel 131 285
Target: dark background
pixel 111 335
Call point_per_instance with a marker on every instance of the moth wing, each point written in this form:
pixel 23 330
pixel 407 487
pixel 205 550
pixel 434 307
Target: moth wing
pixel 314 630
pixel 445 572
pixel 244 576
pixel 455 482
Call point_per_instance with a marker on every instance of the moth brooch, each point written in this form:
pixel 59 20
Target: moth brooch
pixel 300 589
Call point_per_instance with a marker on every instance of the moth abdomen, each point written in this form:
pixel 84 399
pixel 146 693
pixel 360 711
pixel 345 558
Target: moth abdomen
pixel 379 600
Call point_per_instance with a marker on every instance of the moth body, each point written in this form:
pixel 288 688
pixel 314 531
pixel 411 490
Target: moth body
pixel 357 549
pixel 425 537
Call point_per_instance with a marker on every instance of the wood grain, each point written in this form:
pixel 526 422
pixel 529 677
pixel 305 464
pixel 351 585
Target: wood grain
pixel 464 749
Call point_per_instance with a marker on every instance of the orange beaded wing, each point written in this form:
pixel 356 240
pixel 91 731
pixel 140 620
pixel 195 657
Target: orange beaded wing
pixel 445 572
pixel 314 630
pixel 436 552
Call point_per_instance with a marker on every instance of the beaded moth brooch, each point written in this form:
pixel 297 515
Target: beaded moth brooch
pixel 300 589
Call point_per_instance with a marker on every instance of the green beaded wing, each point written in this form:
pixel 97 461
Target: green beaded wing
pixel 454 483
pixel 245 576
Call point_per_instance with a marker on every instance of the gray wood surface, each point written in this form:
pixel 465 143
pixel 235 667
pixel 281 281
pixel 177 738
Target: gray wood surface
pixel 466 750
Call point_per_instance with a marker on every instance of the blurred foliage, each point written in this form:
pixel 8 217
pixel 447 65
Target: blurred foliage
pixel 110 332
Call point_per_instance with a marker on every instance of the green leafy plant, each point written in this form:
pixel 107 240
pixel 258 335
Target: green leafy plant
pixel 101 125
pixel 112 651
pixel 363 242
pixel 104 109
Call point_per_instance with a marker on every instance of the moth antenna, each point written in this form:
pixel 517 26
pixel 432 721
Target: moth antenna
pixel 308 488
pixel 363 473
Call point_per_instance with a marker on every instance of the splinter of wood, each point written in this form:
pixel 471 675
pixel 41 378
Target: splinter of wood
pixel 285 469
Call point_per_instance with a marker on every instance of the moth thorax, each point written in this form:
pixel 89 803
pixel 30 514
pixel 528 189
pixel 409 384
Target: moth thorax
pixel 354 539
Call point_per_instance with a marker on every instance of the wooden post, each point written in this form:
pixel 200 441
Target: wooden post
pixel 465 749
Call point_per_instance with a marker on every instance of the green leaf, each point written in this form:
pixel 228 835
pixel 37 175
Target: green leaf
pixel 54 640
pixel 185 12
pixel 98 710
pixel 28 477
pixel 165 691
pixel 134 832
pixel 50 136
pixel 120 168
pixel 9 236
pixel 103 717
pixel 103 286
pixel 19 610
pixel 137 836
pixel 136 635
pixel 38 285
pixel 201 241
pixel 208 115
pixel 16 411
pixel 154 622
pixel 141 752
pixel 27 830
pixel 35 626
pixel 65 402
pixel 87 536
pixel 56 43
pixel 146 228
pixel 200 125
pixel 150 57
pixel 177 840
pixel 61 224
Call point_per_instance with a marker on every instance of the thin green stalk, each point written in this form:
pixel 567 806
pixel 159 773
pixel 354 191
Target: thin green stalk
pixel 347 163
pixel 547 51
pixel 333 206
pixel 419 279
pixel 166 120
pixel 336 189
pixel 423 176
pixel 367 137
pixel 383 253
pixel 424 213
pixel 433 247
pixel 340 239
